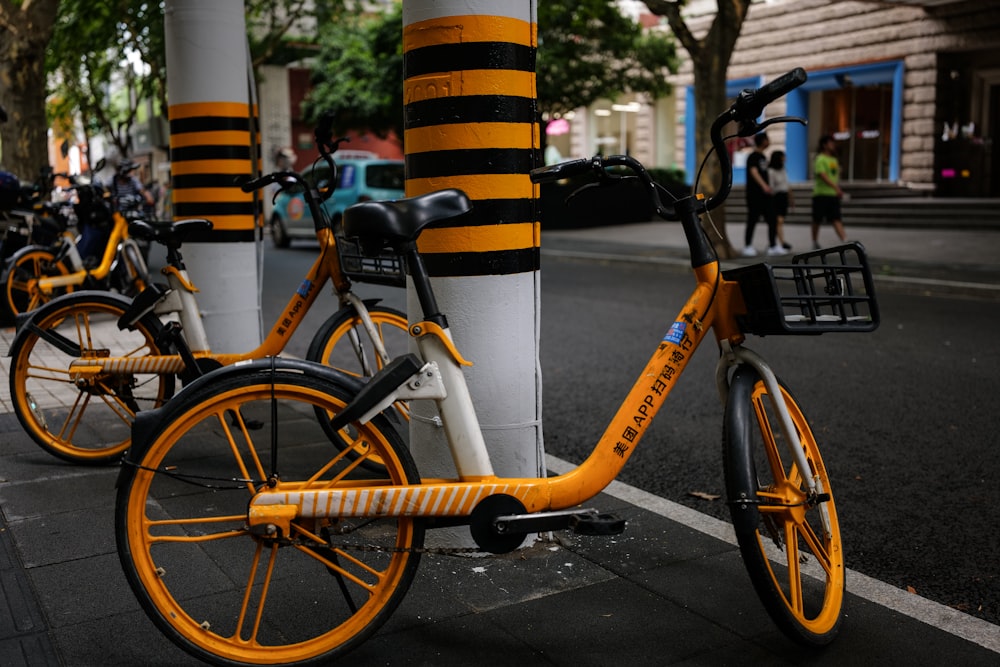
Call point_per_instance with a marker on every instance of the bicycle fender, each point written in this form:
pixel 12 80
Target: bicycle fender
pixel 26 322
pixel 738 459
pixel 382 385
pixel 147 423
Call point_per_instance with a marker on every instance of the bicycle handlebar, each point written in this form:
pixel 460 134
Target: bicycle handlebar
pixel 326 145
pixel 744 111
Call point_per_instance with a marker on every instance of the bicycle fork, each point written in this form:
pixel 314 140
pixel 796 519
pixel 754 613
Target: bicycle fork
pixel 349 298
pixel 733 356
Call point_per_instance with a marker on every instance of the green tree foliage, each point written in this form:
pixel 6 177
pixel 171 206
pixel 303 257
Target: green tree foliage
pixel 118 45
pixel 97 48
pixel 587 50
pixel 358 74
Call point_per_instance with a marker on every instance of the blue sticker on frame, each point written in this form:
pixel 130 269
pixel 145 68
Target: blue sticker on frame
pixel 676 333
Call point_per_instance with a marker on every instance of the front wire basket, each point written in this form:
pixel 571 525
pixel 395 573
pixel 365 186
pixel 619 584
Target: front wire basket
pixel 385 268
pixel 823 291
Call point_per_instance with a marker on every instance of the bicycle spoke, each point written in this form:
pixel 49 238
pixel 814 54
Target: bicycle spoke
pixel 248 595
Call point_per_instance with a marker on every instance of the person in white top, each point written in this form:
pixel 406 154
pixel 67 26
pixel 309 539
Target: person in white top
pixel 782 197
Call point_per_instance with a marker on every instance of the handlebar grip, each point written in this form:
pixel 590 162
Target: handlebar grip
pixel 556 172
pixel 781 86
pixel 257 183
pixel 750 103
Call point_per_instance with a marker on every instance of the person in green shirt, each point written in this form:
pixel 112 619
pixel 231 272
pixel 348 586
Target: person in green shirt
pixel 826 190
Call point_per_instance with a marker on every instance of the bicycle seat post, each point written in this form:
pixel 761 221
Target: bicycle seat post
pixel 422 286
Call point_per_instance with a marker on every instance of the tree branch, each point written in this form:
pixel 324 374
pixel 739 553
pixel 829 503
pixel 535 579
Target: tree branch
pixel 672 10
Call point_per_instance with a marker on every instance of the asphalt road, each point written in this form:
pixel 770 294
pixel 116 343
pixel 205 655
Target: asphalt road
pixel 906 417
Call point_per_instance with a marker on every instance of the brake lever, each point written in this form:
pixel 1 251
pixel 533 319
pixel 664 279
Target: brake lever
pixel 752 127
pixel 603 181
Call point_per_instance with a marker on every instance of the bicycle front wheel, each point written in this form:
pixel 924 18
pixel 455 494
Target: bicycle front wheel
pixel 21 293
pixel 230 595
pixel 788 537
pixel 343 343
pixel 78 412
pixel 129 273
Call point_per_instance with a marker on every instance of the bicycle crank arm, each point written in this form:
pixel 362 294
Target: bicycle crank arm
pixel 585 522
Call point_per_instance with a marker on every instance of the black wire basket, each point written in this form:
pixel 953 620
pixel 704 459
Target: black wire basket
pixel 823 291
pixel 385 268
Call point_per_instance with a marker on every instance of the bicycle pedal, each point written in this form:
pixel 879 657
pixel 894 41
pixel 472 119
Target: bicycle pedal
pixel 597 524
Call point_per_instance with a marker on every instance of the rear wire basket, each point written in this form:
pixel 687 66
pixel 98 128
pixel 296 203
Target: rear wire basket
pixel 385 268
pixel 823 291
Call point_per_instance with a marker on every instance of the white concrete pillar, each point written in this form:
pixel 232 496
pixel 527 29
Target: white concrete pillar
pixel 471 123
pixel 213 132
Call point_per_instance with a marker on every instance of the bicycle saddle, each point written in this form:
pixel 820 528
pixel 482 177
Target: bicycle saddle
pixel 172 235
pixel 398 222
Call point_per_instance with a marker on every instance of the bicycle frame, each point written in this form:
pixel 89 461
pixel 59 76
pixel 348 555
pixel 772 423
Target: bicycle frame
pixel 712 305
pixel 119 235
pixel 181 300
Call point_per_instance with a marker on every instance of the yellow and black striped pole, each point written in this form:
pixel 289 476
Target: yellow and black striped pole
pixel 213 139
pixel 471 123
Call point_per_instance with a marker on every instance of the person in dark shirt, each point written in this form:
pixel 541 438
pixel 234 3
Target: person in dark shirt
pixel 759 201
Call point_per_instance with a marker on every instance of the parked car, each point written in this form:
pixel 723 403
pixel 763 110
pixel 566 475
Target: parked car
pixel 359 180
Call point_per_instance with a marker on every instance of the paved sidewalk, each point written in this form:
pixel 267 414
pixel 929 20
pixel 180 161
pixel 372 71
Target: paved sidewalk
pixel 670 591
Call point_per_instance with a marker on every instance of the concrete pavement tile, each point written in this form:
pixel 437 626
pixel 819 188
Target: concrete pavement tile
pixel 484 583
pixel 65 536
pixel 613 622
pixel 35 650
pixel 58 489
pixel 650 541
pixel 715 586
pixel 82 590
pixel 122 640
pixel 472 639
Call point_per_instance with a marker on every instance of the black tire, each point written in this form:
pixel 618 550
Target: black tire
pixel 279 234
pixel 131 274
pixel 181 521
pixel 343 344
pixel 72 414
pixel 803 589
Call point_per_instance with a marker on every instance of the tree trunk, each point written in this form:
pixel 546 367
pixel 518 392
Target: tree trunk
pixel 25 30
pixel 710 58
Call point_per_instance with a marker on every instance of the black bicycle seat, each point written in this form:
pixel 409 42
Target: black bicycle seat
pixel 399 222
pixel 172 235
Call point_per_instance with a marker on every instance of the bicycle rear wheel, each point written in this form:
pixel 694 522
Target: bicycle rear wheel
pixel 230 596
pixel 790 542
pixel 72 411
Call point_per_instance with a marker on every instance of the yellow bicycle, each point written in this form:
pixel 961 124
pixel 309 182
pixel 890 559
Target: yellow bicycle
pixel 310 553
pixel 85 363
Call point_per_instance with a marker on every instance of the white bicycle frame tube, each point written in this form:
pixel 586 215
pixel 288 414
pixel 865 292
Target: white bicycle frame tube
pixel 366 322
pixel 181 300
pixel 458 414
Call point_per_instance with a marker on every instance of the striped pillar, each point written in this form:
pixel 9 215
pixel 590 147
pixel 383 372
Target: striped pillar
pixel 470 123
pixel 211 145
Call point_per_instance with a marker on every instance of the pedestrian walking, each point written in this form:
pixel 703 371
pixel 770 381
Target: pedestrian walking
pixel 759 202
pixel 827 194
pixel 781 195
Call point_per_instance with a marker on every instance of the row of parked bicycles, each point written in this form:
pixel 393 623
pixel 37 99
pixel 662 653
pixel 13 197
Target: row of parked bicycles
pixel 64 233
pixel 271 511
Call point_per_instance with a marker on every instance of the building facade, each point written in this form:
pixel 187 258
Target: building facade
pixel 911 91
